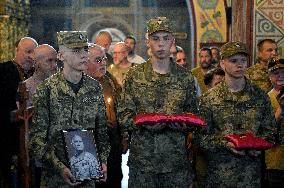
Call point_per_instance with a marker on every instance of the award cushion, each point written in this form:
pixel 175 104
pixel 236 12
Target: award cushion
pixel 248 141
pixel 154 118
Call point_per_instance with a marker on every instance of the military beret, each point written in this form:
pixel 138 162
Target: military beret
pixel 72 39
pixel 232 48
pixel 274 64
pixel 159 24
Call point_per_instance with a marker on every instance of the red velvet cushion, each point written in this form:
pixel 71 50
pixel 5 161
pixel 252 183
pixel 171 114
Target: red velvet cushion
pixel 154 118
pixel 248 141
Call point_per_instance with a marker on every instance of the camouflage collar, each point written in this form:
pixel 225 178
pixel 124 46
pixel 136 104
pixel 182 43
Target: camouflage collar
pixel 259 66
pixel 151 75
pixel 66 89
pixel 241 96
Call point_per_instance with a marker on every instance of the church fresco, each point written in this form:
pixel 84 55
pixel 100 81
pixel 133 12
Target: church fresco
pixel 211 22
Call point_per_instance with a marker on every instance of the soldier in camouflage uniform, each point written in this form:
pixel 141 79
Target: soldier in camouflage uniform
pixel 67 100
pixel 234 106
pixel 258 74
pixel 158 156
pixel 274 157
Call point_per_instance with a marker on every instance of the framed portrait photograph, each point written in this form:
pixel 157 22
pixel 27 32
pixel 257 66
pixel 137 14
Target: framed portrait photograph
pixel 82 154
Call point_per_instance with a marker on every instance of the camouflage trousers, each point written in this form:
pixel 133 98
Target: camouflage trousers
pixel 230 171
pixel 200 165
pixel 176 179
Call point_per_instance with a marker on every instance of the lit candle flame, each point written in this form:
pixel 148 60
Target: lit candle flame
pixel 108 100
pixel 111 66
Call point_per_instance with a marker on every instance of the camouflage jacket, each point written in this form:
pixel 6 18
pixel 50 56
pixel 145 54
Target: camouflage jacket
pixel 259 76
pixel 197 72
pixel 147 91
pixel 225 113
pixel 274 157
pixel 67 110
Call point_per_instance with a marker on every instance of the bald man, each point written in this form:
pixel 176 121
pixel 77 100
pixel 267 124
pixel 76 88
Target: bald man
pixel 104 40
pixel 23 57
pixel 44 57
pixel 11 73
pixel 121 64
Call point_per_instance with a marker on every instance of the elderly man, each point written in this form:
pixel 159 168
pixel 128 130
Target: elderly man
pixel 11 73
pixel 266 49
pixel 104 40
pixel 121 64
pixel 68 100
pixel 234 106
pixel 158 155
pixel 111 90
pixel 45 65
pixel 24 57
pixel 205 64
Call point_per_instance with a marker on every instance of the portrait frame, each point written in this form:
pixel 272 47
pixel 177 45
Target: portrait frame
pixel 81 154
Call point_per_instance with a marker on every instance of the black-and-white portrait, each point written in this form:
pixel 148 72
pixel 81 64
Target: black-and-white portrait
pixel 82 154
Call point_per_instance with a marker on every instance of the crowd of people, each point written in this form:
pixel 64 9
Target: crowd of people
pixel 104 91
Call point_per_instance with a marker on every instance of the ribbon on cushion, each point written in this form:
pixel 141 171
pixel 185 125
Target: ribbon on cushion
pixel 154 118
pixel 248 141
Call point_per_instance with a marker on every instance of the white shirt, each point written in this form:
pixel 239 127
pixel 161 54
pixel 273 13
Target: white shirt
pixel 135 59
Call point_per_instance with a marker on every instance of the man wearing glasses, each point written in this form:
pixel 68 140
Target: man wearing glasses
pixel 97 69
pixel 67 100
pixel 121 63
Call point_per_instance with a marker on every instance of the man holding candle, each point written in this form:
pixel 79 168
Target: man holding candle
pixel 158 156
pixel 97 69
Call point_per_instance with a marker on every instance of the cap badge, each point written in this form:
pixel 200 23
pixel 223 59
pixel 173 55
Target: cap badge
pixel 81 36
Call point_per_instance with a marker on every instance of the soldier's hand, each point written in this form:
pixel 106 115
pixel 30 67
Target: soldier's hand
pixel 156 127
pixel 254 153
pixel 104 171
pixel 233 149
pixel 69 178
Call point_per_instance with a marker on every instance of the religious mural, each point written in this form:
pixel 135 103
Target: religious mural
pixel 211 22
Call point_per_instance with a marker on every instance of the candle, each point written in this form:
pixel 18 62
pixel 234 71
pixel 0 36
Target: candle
pixel 108 110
